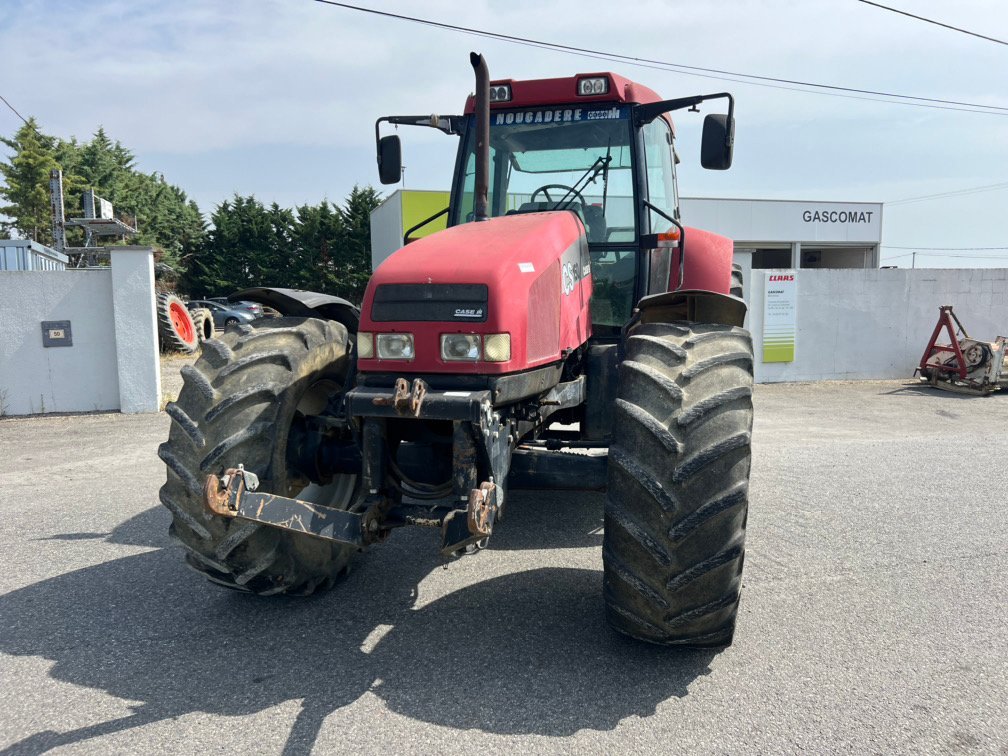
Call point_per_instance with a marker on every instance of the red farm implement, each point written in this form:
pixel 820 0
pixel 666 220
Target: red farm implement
pixel 963 364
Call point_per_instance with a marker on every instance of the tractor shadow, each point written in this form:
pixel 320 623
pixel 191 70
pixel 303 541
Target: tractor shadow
pixel 522 653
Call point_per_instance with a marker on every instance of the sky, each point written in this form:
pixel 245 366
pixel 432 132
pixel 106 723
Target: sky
pixel 278 98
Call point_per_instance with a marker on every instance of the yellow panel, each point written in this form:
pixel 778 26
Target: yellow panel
pixel 417 206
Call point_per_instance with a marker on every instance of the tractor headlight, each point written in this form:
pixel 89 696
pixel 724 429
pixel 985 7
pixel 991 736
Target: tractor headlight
pixel 395 346
pixel 365 345
pixel 594 86
pixel 497 347
pixel 460 346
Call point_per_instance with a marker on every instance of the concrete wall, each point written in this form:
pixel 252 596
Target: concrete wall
pixel 136 329
pixel 876 323
pixel 113 362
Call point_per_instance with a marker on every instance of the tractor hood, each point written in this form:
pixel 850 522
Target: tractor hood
pixel 525 275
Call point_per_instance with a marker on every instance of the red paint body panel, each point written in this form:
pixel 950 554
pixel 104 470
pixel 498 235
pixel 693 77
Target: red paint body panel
pixel 708 262
pixel 497 252
pixel 534 92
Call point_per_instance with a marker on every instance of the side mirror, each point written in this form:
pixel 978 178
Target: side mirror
pixel 717 143
pixel 390 159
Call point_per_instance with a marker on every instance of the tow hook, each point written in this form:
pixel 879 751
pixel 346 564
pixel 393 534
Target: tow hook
pixel 406 400
pixel 462 536
pixel 482 509
pixel 221 495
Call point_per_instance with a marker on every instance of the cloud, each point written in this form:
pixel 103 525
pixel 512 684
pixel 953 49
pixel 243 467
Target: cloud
pixel 254 88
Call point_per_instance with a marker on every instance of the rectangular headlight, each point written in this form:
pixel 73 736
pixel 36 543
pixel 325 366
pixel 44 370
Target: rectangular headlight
pixel 497 347
pixel 593 86
pixel 460 346
pixel 395 346
pixel 365 345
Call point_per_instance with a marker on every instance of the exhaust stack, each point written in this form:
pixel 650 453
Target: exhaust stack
pixel 482 96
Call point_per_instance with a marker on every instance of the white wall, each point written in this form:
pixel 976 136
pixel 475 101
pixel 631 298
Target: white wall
pixel 113 362
pixel 78 378
pixel 876 323
pixel 136 329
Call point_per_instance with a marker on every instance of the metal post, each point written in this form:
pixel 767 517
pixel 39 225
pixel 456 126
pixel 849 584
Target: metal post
pixel 56 204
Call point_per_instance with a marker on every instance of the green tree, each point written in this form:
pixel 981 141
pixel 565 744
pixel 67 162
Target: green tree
pixel 318 247
pixel 26 183
pixel 354 262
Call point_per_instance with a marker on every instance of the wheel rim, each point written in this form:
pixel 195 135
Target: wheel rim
pixel 339 493
pixel 181 322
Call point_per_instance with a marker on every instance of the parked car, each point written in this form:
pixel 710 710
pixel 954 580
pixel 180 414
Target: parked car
pixel 253 307
pixel 227 313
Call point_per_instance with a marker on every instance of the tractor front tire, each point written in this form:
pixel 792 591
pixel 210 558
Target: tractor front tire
pixel 677 498
pixel 237 405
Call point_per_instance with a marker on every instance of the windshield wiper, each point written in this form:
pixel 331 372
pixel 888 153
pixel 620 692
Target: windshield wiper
pixel 605 175
pixel 588 177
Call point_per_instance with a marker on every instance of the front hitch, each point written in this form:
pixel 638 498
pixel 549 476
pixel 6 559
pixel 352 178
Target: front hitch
pixel 234 495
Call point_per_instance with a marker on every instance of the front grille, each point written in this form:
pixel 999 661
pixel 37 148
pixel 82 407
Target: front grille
pixel 462 303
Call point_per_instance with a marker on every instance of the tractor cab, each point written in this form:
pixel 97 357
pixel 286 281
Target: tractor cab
pixel 597 145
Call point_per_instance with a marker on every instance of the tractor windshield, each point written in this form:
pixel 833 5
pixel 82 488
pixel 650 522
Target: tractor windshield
pixel 559 158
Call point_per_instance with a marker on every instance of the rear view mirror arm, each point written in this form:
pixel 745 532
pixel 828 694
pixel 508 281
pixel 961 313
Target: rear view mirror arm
pixel 644 114
pixel 451 125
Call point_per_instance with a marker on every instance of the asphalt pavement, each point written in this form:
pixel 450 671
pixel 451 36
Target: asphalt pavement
pixel 874 615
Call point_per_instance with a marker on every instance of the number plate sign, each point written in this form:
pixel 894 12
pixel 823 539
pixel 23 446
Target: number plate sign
pixel 56 333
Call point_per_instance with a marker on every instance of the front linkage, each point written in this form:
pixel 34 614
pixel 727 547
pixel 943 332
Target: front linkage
pixel 481 453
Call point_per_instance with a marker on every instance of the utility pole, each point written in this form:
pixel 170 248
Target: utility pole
pixel 913 262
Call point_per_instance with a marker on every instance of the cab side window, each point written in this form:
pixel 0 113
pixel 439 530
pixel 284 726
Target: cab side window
pixel 660 170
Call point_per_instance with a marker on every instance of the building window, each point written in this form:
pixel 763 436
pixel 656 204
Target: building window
pixel 771 258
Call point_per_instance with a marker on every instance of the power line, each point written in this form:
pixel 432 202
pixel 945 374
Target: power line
pixel 953 193
pixel 932 21
pixel 13 110
pixel 962 257
pixel 951 249
pixel 713 73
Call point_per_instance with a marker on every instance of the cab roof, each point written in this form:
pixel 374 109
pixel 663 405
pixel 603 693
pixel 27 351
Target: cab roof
pixel 563 91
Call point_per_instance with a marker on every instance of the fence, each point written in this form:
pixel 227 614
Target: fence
pixel 24 254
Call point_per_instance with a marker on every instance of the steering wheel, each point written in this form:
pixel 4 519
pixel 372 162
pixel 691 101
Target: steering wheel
pixel 567 190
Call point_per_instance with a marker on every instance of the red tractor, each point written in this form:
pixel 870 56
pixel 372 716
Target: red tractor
pixel 566 331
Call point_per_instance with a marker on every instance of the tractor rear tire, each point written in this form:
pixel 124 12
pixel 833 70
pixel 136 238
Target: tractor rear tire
pixel 176 330
pixel 678 489
pixel 737 283
pixel 236 406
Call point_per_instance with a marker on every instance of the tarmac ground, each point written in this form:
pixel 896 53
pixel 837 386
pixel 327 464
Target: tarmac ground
pixel 874 615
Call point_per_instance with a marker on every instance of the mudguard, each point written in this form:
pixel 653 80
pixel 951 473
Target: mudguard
pixel 692 304
pixel 708 262
pixel 304 304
